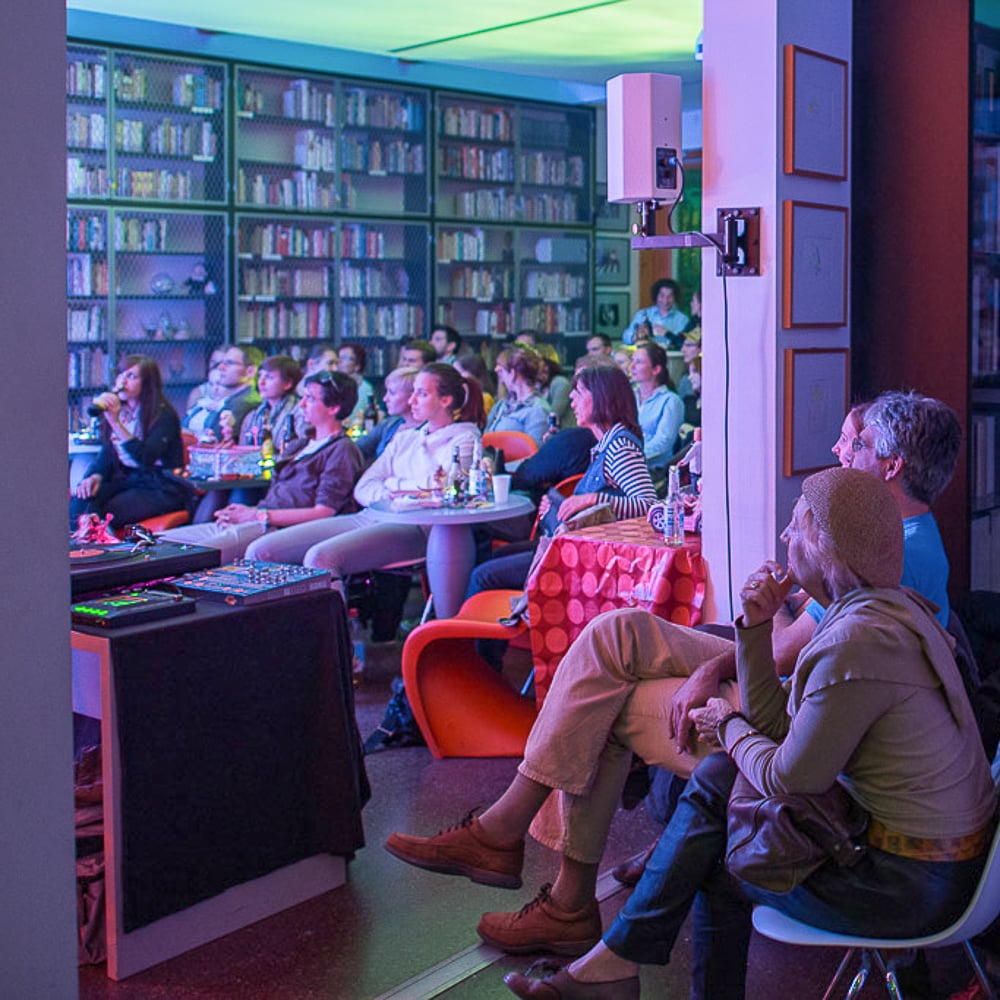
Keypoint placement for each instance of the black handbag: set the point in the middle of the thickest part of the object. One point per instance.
(777, 841)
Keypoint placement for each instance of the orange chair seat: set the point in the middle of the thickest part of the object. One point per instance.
(462, 706)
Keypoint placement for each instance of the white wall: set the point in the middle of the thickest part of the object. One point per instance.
(37, 907)
(742, 167)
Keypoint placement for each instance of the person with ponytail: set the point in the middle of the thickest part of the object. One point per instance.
(449, 413)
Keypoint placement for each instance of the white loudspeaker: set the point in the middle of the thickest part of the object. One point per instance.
(644, 137)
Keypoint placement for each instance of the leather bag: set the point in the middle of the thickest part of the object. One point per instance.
(776, 842)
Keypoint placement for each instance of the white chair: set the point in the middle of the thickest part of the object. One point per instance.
(982, 910)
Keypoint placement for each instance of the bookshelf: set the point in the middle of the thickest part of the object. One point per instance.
(337, 209)
(984, 232)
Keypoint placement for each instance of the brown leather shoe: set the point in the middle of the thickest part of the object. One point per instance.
(629, 872)
(462, 850)
(562, 986)
(542, 926)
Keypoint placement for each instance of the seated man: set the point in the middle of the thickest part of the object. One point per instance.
(237, 373)
(313, 479)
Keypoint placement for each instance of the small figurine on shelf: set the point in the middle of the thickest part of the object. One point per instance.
(93, 530)
(200, 282)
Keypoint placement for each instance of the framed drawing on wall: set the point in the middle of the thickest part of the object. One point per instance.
(814, 268)
(611, 312)
(815, 403)
(611, 260)
(815, 114)
(613, 217)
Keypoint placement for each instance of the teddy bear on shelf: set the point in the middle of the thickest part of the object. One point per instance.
(200, 282)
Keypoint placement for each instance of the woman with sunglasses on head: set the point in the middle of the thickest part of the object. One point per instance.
(449, 411)
(140, 446)
(313, 478)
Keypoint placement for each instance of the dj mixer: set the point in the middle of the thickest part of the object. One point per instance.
(247, 581)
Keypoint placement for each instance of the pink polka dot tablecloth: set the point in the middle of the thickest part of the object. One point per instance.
(609, 566)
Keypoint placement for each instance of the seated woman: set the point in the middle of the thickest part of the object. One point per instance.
(398, 390)
(554, 386)
(603, 402)
(314, 477)
(875, 701)
(352, 359)
(519, 369)
(277, 378)
(661, 411)
(131, 476)
(449, 413)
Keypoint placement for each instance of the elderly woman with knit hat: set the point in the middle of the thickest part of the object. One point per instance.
(875, 702)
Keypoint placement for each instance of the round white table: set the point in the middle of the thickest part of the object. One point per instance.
(451, 548)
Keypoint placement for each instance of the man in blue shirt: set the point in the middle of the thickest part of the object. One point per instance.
(667, 321)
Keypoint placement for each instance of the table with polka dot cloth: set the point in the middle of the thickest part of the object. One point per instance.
(621, 565)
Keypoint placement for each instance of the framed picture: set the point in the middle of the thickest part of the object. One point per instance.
(814, 265)
(614, 217)
(611, 313)
(611, 260)
(816, 396)
(815, 114)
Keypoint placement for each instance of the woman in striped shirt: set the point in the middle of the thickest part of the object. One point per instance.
(603, 401)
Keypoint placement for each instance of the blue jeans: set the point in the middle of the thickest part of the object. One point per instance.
(884, 895)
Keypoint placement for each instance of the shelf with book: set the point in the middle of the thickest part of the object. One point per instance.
(383, 150)
(169, 124)
(555, 287)
(513, 162)
(476, 279)
(286, 141)
(87, 171)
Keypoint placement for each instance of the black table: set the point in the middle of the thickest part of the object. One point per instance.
(233, 771)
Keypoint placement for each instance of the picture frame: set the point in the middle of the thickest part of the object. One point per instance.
(609, 216)
(611, 313)
(816, 399)
(814, 265)
(612, 257)
(815, 118)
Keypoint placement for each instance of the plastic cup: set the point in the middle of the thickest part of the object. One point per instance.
(501, 488)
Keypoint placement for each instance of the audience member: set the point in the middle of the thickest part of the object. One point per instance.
(210, 387)
(446, 342)
(522, 408)
(555, 386)
(925, 781)
(850, 429)
(694, 322)
(622, 355)
(398, 390)
(531, 338)
(447, 408)
(351, 360)
(131, 476)
(313, 479)
(416, 354)
(599, 345)
(661, 410)
(667, 321)
(277, 379)
(237, 395)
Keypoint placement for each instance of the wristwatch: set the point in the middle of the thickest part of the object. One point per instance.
(264, 516)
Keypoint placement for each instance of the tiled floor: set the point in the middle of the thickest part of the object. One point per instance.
(379, 934)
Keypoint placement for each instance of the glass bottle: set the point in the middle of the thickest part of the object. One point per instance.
(371, 415)
(455, 483)
(673, 510)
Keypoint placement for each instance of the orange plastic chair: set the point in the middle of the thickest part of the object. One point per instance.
(462, 706)
(515, 445)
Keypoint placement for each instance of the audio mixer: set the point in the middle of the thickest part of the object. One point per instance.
(248, 581)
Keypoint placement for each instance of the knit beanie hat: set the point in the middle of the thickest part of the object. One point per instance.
(694, 335)
(858, 512)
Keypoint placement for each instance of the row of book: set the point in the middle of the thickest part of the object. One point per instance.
(86, 180)
(86, 275)
(553, 169)
(486, 321)
(86, 131)
(985, 322)
(284, 240)
(552, 285)
(87, 78)
(363, 320)
(301, 190)
(284, 321)
(372, 156)
(387, 281)
(88, 366)
(983, 443)
(85, 232)
(167, 138)
(159, 185)
(85, 324)
(314, 150)
(985, 217)
(143, 234)
(470, 244)
(464, 122)
(986, 100)
(375, 109)
(477, 163)
(554, 318)
(482, 283)
(306, 100)
(273, 280)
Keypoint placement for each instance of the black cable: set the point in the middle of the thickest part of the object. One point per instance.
(679, 198)
(725, 443)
